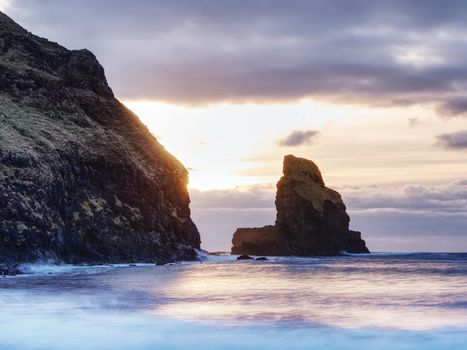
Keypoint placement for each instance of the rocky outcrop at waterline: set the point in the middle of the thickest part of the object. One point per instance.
(81, 178)
(9, 270)
(311, 218)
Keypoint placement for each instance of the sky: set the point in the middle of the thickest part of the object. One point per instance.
(374, 92)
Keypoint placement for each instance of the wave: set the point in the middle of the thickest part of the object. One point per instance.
(414, 255)
(43, 269)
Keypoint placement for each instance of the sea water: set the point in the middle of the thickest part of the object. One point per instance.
(376, 301)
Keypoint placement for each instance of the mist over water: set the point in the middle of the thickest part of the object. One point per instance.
(378, 301)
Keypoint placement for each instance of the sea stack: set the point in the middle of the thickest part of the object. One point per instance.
(82, 180)
(311, 218)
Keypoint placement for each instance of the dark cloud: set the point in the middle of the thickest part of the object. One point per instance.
(377, 52)
(454, 141)
(454, 107)
(443, 200)
(417, 217)
(299, 138)
(413, 218)
(410, 231)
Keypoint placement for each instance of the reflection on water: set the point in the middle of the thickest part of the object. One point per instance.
(343, 292)
(402, 301)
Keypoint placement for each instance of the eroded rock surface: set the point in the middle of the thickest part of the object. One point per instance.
(81, 178)
(9, 270)
(311, 218)
(258, 241)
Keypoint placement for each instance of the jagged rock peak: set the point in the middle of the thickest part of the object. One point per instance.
(26, 53)
(302, 177)
(6, 23)
(301, 169)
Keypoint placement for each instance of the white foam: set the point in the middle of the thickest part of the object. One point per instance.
(39, 269)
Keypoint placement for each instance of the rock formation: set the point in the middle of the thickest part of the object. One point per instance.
(81, 178)
(311, 218)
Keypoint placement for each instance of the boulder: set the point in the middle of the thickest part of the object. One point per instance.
(245, 257)
(258, 241)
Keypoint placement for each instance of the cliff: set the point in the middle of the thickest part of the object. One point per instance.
(311, 218)
(81, 178)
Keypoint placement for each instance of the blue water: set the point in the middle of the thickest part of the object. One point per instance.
(377, 301)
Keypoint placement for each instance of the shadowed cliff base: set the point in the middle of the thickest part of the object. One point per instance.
(82, 180)
(311, 218)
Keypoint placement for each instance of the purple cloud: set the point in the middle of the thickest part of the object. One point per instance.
(452, 107)
(214, 51)
(298, 138)
(453, 141)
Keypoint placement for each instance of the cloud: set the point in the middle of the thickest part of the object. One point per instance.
(374, 52)
(247, 198)
(298, 138)
(444, 200)
(414, 218)
(411, 232)
(454, 107)
(454, 141)
(218, 213)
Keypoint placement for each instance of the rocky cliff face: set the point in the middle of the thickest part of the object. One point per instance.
(81, 178)
(311, 218)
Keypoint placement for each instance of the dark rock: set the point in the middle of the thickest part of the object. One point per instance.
(164, 262)
(311, 218)
(263, 258)
(82, 180)
(245, 257)
(258, 241)
(217, 253)
(10, 270)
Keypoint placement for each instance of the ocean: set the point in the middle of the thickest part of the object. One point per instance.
(376, 301)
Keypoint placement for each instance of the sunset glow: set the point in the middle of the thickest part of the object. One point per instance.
(370, 154)
(375, 97)
(4, 5)
(232, 146)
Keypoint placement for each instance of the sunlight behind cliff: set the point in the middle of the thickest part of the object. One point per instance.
(4, 5)
(227, 146)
